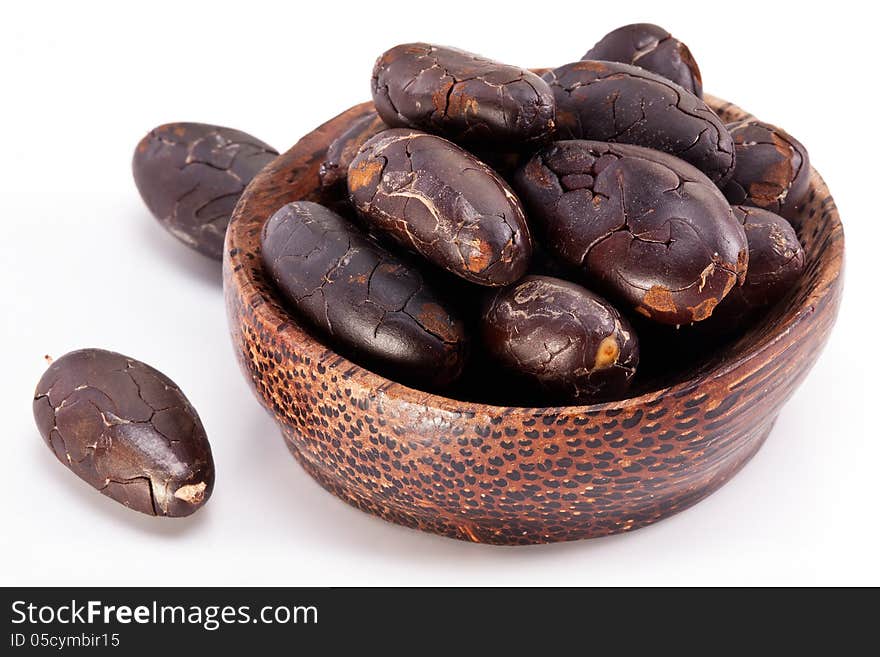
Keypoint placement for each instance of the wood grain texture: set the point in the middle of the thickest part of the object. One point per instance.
(512, 475)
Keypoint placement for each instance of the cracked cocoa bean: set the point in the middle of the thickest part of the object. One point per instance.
(772, 168)
(441, 202)
(191, 175)
(560, 336)
(127, 430)
(371, 304)
(342, 150)
(461, 96)
(652, 48)
(613, 102)
(776, 261)
(646, 228)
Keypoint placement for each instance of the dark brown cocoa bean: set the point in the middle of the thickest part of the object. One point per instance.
(776, 261)
(646, 228)
(772, 168)
(652, 48)
(190, 175)
(127, 430)
(608, 101)
(441, 202)
(343, 149)
(461, 96)
(562, 338)
(371, 304)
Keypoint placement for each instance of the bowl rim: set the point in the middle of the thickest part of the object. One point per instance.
(299, 339)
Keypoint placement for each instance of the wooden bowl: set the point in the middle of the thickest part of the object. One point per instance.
(513, 475)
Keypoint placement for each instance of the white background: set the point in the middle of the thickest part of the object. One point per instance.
(83, 264)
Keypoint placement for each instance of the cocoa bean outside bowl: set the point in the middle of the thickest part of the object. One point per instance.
(515, 475)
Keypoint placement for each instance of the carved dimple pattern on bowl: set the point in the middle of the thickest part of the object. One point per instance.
(517, 475)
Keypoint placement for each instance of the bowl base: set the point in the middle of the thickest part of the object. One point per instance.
(506, 532)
